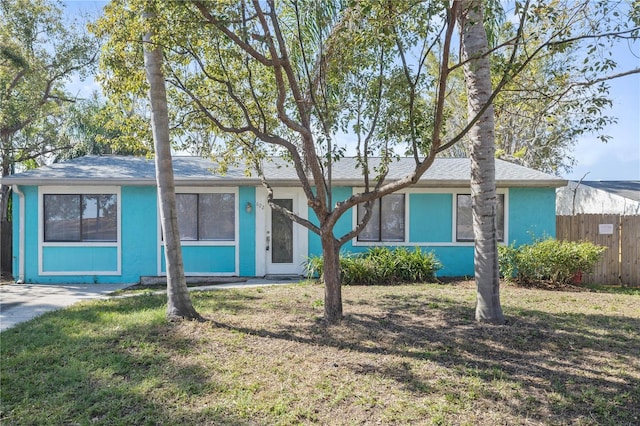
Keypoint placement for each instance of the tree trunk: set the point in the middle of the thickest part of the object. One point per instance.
(483, 184)
(178, 300)
(331, 276)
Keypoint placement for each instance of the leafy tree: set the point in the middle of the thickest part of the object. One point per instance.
(39, 53)
(545, 107)
(93, 127)
(178, 300)
(543, 111)
(284, 79)
(287, 77)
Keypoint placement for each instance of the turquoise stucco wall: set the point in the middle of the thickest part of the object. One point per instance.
(139, 232)
(431, 217)
(138, 243)
(80, 259)
(247, 232)
(342, 226)
(15, 242)
(206, 259)
(430, 221)
(531, 213)
(30, 233)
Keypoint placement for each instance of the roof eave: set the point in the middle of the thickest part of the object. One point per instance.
(430, 183)
(541, 183)
(77, 182)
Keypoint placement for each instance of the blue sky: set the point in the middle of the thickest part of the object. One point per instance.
(619, 159)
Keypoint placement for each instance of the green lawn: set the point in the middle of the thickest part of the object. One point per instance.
(403, 355)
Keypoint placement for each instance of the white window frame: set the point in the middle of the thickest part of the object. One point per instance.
(454, 219)
(379, 205)
(454, 192)
(205, 243)
(404, 242)
(81, 190)
(211, 241)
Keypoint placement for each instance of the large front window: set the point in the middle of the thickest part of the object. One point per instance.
(464, 220)
(387, 220)
(206, 217)
(80, 217)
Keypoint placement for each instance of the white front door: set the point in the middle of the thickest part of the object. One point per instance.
(285, 241)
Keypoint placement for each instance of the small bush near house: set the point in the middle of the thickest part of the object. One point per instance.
(548, 260)
(381, 265)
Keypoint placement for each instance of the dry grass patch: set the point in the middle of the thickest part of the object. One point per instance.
(403, 355)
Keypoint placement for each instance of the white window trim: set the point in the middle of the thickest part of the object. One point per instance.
(407, 228)
(454, 219)
(404, 242)
(83, 190)
(204, 243)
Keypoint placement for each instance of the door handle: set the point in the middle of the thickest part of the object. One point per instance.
(268, 241)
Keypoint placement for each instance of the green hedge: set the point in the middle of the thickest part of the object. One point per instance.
(381, 265)
(548, 260)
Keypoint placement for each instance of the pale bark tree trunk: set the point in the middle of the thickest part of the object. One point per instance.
(483, 184)
(178, 300)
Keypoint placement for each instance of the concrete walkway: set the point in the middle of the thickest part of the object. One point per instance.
(22, 302)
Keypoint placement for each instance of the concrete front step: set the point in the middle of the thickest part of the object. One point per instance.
(155, 280)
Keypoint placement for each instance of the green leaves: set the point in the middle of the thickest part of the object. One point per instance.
(381, 266)
(548, 260)
(39, 53)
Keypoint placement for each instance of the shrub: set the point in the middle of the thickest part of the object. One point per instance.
(548, 260)
(381, 265)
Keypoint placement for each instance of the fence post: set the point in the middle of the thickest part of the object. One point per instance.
(6, 249)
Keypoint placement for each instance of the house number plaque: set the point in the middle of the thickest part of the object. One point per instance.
(605, 229)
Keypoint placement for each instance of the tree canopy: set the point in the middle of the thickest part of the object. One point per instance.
(288, 78)
(39, 53)
(562, 92)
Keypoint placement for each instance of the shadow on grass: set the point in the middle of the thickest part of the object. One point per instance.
(119, 362)
(563, 368)
(109, 362)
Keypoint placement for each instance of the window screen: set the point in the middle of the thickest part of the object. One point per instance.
(387, 221)
(464, 219)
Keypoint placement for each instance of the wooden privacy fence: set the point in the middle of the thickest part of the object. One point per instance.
(6, 256)
(620, 263)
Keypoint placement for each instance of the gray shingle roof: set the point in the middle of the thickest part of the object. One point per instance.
(195, 171)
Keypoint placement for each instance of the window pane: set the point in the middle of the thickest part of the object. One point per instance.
(282, 233)
(61, 217)
(392, 222)
(217, 219)
(187, 211)
(464, 221)
(371, 232)
(99, 217)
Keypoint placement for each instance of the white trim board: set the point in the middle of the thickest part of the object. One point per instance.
(203, 243)
(406, 243)
(83, 190)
